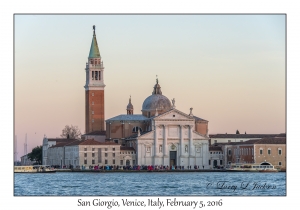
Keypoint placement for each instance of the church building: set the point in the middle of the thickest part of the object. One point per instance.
(161, 134)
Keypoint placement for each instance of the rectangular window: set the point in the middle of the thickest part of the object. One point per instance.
(92, 94)
(269, 152)
(208, 162)
(93, 75)
(121, 162)
(105, 149)
(114, 155)
(85, 154)
(93, 154)
(85, 161)
(279, 152)
(279, 163)
(92, 120)
(221, 162)
(85, 149)
(92, 112)
(114, 162)
(114, 149)
(229, 152)
(260, 151)
(105, 154)
(92, 102)
(93, 149)
(93, 161)
(96, 75)
(116, 141)
(105, 161)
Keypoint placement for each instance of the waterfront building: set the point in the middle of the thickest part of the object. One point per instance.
(216, 157)
(228, 138)
(270, 150)
(49, 142)
(25, 161)
(84, 153)
(161, 134)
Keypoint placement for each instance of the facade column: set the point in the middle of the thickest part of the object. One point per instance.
(166, 160)
(156, 149)
(165, 143)
(191, 152)
(156, 141)
(181, 159)
(191, 141)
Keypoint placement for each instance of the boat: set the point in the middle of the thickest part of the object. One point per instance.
(34, 169)
(251, 168)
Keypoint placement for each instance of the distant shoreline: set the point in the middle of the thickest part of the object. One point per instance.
(146, 171)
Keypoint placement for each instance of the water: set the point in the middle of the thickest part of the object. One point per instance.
(150, 184)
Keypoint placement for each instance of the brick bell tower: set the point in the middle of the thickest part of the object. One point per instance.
(94, 89)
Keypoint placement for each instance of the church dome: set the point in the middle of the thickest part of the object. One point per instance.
(156, 102)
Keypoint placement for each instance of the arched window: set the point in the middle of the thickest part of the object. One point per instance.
(135, 129)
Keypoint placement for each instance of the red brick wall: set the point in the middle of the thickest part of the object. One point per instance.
(98, 108)
(201, 127)
(117, 130)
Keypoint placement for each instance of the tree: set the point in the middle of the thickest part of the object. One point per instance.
(237, 132)
(71, 132)
(36, 154)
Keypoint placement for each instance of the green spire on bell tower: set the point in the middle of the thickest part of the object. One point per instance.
(94, 51)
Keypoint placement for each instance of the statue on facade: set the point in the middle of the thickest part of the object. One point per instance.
(191, 109)
(173, 102)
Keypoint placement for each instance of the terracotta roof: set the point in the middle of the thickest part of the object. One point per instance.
(74, 143)
(252, 141)
(101, 133)
(199, 119)
(61, 144)
(127, 148)
(60, 139)
(278, 140)
(93, 142)
(240, 136)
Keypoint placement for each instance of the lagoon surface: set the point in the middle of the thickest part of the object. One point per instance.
(150, 184)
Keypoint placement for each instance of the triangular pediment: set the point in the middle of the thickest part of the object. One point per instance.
(149, 135)
(174, 114)
(197, 135)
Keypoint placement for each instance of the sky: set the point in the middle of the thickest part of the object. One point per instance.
(230, 68)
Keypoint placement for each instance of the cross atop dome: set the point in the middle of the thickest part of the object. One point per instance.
(129, 107)
(157, 88)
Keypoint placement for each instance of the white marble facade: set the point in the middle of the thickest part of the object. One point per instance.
(173, 141)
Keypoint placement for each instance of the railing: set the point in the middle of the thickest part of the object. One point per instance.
(95, 65)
